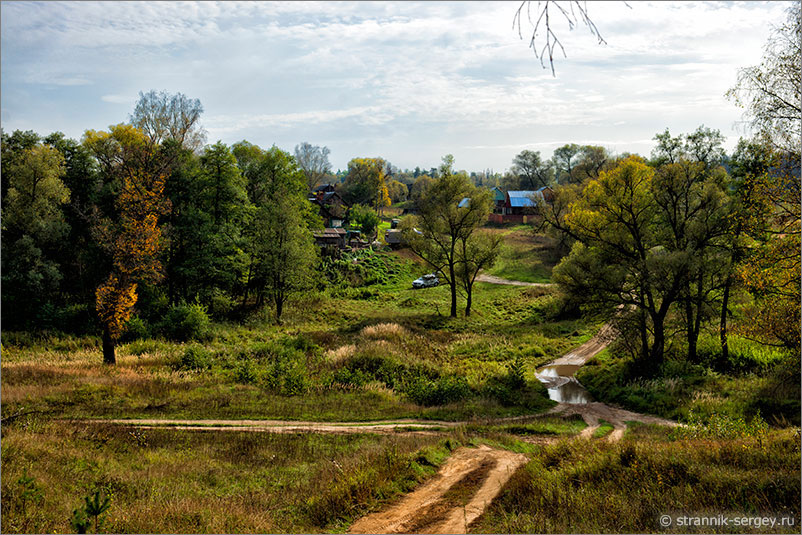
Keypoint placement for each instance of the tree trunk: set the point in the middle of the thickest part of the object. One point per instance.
(279, 309)
(658, 346)
(689, 323)
(725, 349)
(468, 303)
(108, 348)
(453, 291)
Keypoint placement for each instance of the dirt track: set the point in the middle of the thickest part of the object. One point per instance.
(403, 426)
(471, 478)
(482, 277)
(425, 510)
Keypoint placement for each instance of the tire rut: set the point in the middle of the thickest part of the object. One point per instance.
(468, 481)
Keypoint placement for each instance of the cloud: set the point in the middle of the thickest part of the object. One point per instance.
(383, 74)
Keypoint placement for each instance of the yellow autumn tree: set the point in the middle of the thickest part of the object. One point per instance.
(133, 238)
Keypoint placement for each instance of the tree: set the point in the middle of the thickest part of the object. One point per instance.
(420, 187)
(162, 116)
(617, 260)
(475, 252)
(693, 220)
(314, 162)
(564, 162)
(771, 91)
(533, 172)
(442, 226)
(648, 241)
(398, 191)
(365, 218)
(33, 227)
(366, 182)
(36, 193)
(133, 238)
(592, 161)
(279, 239)
(209, 209)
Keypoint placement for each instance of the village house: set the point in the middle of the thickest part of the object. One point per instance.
(331, 207)
(521, 205)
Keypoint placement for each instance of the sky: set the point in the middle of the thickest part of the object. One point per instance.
(405, 81)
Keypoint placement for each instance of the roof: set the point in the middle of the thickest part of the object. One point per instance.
(523, 199)
(498, 193)
(329, 232)
(464, 202)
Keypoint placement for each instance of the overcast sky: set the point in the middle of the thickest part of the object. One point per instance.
(409, 82)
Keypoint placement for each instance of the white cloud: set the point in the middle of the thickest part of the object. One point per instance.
(380, 75)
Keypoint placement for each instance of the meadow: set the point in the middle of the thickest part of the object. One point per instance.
(368, 348)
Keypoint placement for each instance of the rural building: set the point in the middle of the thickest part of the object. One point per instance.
(330, 237)
(331, 207)
(520, 205)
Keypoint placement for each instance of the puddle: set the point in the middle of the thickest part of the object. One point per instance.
(562, 385)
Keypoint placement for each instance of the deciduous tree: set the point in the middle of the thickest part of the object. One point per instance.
(442, 233)
(133, 239)
(314, 162)
(162, 116)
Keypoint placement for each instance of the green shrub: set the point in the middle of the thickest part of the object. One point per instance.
(195, 358)
(721, 426)
(221, 305)
(441, 391)
(186, 322)
(287, 377)
(364, 218)
(246, 373)
(135, 329)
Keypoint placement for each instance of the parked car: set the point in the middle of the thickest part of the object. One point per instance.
(427, 281)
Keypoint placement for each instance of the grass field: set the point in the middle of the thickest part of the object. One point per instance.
(370, 348)
(597, 487)
(524, 256)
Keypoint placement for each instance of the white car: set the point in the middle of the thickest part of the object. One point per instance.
(427, 281)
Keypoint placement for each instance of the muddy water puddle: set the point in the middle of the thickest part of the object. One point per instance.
(562, 385)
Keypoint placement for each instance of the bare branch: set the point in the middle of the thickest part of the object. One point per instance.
(577, 12)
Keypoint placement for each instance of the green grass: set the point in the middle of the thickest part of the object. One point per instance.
(596, 487)
(172, 481)
(756, 381)
(445, 368)
(524, 256)
(604, 429)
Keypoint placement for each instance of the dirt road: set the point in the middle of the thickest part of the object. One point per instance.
(471, 478)
(450, 501)
(482, 277)
(402, 426)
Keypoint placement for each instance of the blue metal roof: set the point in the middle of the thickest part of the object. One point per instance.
(522, 199)
(464, 202)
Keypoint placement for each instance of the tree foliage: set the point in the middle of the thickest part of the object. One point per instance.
(314, 162)
(532, 171)
(771, 92)
(162, 116)
(366, 182)
(133, 239)
(444, 234)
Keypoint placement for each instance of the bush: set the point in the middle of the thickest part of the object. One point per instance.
(441, 391)
(221, 305)
(195, 358)
(186, 322)
(364, 218)
(135, 329)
